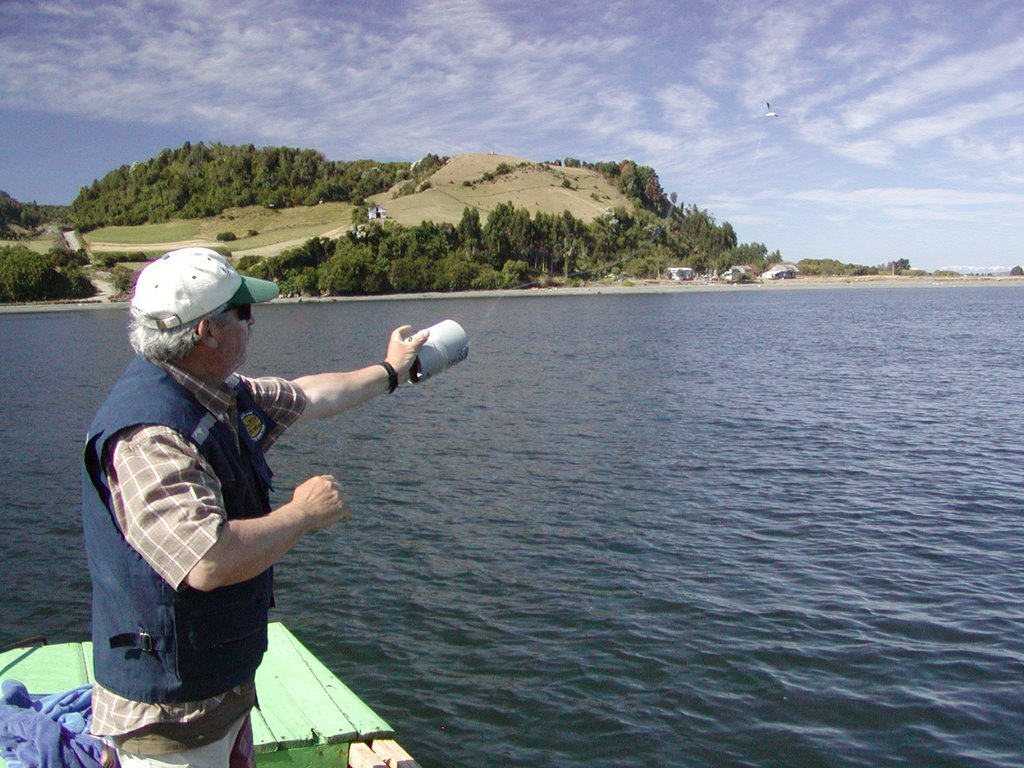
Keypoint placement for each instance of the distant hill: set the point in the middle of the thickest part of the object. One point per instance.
(200, 181)
(482, 181)
(471, 221)
(18, 219)
(436, 189)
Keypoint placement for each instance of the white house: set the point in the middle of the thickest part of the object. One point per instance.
(680, 273)
(376, 212)
(781, 272)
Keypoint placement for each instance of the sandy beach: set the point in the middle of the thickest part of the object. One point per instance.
(103, 301)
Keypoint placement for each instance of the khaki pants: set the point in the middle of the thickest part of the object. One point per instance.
(235, 750)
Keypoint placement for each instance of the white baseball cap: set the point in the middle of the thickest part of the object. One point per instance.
(186, 284)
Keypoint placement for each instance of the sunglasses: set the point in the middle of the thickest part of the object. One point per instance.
(244, 311)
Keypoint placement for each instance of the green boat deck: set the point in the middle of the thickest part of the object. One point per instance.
(307, 718)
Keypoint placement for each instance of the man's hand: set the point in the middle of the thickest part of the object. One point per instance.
(323, 501)
(402, 349)
(246, 547)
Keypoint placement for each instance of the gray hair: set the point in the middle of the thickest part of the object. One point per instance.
(165, 345)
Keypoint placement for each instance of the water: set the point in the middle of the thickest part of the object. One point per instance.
(749, 528)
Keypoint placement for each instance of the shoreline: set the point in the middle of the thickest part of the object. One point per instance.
(592, 289)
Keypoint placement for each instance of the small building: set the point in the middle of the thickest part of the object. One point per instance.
(781, 272)
(376, 212)
(738, 273)
(680, 273)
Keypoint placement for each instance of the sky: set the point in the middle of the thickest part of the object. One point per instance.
(899, 131)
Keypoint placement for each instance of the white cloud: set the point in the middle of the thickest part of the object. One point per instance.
(687, 108)
(953, 122)
(913, 108)
(920, 205)
(952, 75)
(902, 195)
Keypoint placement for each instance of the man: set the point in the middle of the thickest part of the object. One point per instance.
(180, 535)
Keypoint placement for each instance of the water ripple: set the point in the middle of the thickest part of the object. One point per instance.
(743, 529)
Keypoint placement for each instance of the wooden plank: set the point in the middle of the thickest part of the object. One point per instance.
(393, 754)
(263, 737)
(294, 705)
(48, 668)
(382, 753)
(361, 756)
(367, 723)
(316, 756)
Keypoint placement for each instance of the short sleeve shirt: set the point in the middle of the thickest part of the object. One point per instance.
(167, 501)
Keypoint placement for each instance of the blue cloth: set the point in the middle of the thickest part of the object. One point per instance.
(47, 731)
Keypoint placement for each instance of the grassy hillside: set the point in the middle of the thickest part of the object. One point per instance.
(472, 180)
(275, 230)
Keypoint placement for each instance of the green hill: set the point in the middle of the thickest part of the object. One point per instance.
(434, 189)
(199, 181)
(476, 181)
(472, 221)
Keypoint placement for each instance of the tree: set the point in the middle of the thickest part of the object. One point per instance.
(456, 272)
(122, 278)
(500, 235)
(754, 254)
(28, 276)
(471, 234)
(650, 262)
(515, 274)
(353, 269)
(615, 236)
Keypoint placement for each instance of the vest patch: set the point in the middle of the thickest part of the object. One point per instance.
(254, 425)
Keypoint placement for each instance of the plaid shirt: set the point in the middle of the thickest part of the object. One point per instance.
(167, 502)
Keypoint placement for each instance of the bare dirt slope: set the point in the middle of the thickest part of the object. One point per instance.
(461, 184)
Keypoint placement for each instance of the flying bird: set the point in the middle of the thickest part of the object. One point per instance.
(769, 113)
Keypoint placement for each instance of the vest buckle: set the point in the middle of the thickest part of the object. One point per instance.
(141, 640)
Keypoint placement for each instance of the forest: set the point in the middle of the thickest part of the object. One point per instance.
(197, 180)
(510, 248)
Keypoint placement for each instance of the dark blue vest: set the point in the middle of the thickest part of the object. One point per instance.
(150, 642)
